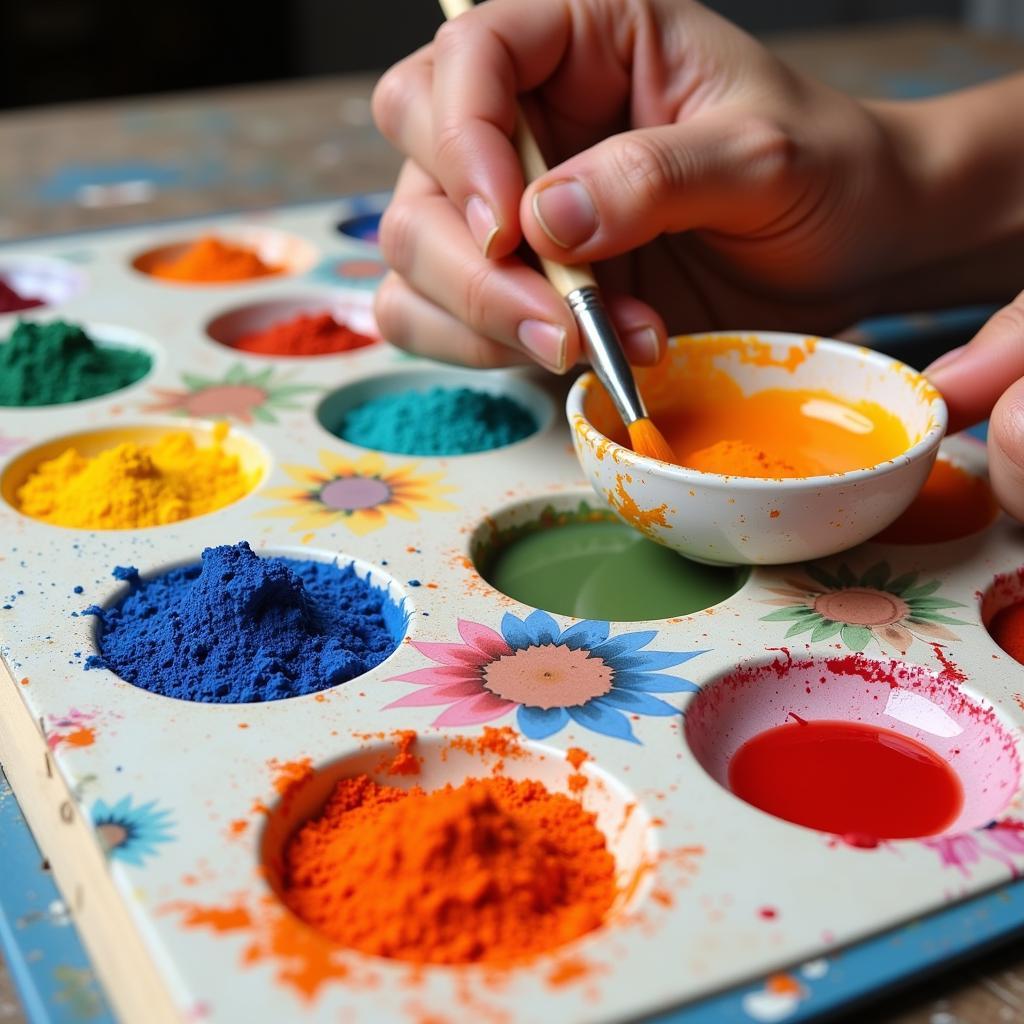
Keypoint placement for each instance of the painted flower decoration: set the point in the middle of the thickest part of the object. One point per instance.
(130, 833)
(246, 395)
(1001, 840)
(875, 606)
(360, 495)
(548, 676)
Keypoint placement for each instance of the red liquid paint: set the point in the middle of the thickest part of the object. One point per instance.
(847, 778)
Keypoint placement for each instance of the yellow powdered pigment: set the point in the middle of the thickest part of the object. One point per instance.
(134, 485)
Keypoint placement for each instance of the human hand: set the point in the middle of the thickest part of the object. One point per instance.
(986, 378)
(712, 186)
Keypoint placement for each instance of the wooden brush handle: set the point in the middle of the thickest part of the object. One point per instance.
(566, 279)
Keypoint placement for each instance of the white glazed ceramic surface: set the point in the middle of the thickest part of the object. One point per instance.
(714, 891)
(746, 520)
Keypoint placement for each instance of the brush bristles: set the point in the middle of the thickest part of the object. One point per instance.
(647, 440)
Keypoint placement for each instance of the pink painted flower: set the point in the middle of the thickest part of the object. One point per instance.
(547, 675)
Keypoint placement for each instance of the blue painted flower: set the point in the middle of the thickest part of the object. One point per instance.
(549, 676)
(131, 834)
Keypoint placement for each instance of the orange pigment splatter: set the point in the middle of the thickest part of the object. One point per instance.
(565, 972)
(83, 736)
(237, 827)
(306, 962)
(288, 774)
(502, 742)
(404, 761)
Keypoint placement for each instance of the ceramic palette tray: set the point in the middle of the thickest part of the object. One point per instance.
(164, 819)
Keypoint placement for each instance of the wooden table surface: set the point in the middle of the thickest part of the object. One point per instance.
(64, 169)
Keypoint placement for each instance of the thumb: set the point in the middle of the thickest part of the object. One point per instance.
(720, 170)
(1006, 450)
(972, 378)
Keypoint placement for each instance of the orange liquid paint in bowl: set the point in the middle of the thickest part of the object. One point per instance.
(780, 433)
(847, 778)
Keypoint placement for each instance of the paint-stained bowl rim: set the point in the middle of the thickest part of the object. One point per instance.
(926, 447)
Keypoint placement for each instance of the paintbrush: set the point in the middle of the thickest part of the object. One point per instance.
(577, 285)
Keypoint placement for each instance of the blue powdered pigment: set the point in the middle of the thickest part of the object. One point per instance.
(238, 628)
(440, 421)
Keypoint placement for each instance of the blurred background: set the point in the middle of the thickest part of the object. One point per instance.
(54, 51)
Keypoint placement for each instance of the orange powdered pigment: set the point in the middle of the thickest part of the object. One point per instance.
(494, 871)
(212, 259)
(780, 433)
(952, 504)
(304, 335)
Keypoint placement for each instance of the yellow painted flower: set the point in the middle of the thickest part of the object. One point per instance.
(360, 494)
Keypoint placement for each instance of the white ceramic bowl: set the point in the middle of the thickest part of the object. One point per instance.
(748, 520)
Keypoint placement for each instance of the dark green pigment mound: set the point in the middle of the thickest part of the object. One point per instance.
(441, 421)
(593, 567)
(56, 363)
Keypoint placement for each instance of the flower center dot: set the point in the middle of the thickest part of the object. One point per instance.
(349, 493)
(861, 606)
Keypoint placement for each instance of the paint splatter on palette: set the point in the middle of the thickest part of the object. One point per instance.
(525, 635)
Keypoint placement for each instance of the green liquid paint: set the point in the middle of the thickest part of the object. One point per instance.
(605, 570)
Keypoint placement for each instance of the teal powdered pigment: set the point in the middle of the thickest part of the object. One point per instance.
(441, 421)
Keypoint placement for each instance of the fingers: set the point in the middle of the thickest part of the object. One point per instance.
(1006, 450)
(416, 325)
(442, 279)
(724, 171)
(972, 378)
(426, 241)
(482, 62)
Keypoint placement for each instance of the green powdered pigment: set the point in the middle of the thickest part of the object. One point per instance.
(605, 570)
(55, 363)
(441, 421)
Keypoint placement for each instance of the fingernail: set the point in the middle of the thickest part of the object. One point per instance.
(545, 342)
(945, 360)
(483, 225)
(566, 213)
(643, 345)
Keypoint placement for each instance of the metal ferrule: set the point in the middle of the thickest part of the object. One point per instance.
(605, 353)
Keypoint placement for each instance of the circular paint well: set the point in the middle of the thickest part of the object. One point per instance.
(587, 564)
(300, 623)
(40, 281)
(876, 731)
(848, 778)
(109, 338)
(253, 458)
(364, 228)
(1002, 612)
(284, 252)
(231, 326)
(436, 413)
(432, 762)
(953, 503)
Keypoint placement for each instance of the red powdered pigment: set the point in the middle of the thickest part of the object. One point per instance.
(305, 335)
(12, 302)
(1007, 630)
(847, 778)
